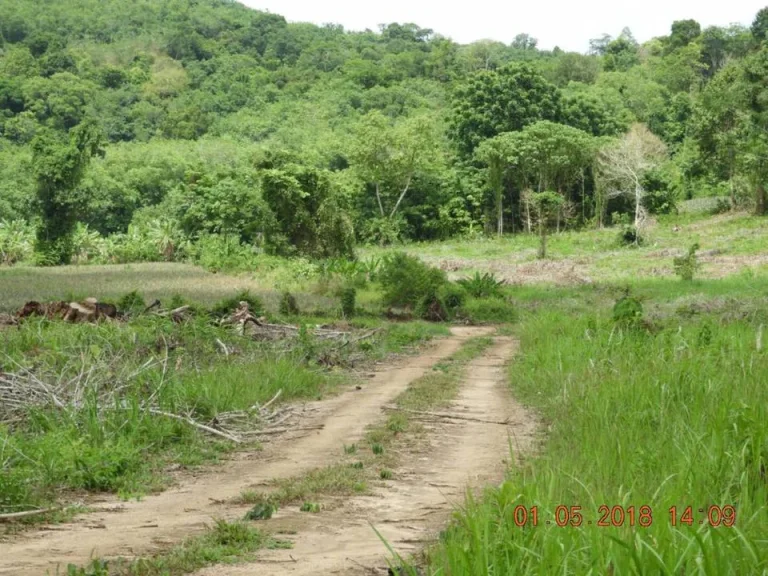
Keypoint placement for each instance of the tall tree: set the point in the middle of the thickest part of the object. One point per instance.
(623, 165)
(492, 102)
(59, 164)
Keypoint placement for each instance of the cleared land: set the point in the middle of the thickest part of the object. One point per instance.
(663, 406)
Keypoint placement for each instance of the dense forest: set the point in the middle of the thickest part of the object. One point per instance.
(156, 129)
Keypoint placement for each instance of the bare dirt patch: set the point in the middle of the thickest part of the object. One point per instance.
(129, 529)
(409, 510)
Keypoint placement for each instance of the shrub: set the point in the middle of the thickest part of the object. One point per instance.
(288, 305)
(627, 310)
(223, 252)
(482, 285)
(686, 266)
(348, 297)
(629, 235)
(721, 206)
(453, 296)
(229, 305)
(495, 310)
(131, 302)
(407, 281)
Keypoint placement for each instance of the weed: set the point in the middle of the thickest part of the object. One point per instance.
(627, 311)
(312, 507)
(348, 296)
(288, 305)
(377, 449)
(491, 310)
(262, 510)
(386, 474)
(131, 303)
(351, 449)
(228, 305)
(686, 266)
(357, 465)
(629, 235)
(482, 285)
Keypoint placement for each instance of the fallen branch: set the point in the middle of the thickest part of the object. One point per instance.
(26, 514)
(191, 422)
(448, 416)
(275, 397)
(223, 347)
(270, 431)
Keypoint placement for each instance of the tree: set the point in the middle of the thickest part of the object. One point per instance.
(623, 165)
(543, 156)
(546, 206)
(683, 33)
(389, 157)
(759, 27)
(492, 102)
(59, 164)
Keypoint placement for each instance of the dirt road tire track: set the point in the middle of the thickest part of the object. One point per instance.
(410, 510)
(131, 529)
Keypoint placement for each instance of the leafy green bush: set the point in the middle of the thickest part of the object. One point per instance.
(229, 305)
(288, 305)
(16, 241)
(131, 303)
(348, 297)
(627, 311)
(453, 296)
(492, 310)
(223, 252)
(686, 266)
(407, 281)
(482, 285)
(629, 235)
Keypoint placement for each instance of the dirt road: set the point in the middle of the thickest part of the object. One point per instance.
(409, 510)
(138, 528)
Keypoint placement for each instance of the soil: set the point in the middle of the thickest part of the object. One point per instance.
(409, 510)
(129, 529)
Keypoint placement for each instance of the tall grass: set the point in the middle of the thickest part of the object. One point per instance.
(672, 417)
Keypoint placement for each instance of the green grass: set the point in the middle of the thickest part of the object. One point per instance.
(736, 240)
(673, 415)
(98, 447)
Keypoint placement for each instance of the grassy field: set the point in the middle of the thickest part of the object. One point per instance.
(671, 412)
(729, 244)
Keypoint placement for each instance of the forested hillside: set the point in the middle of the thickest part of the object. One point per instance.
(170, 126)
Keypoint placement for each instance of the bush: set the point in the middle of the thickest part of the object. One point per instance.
(453, 296)
(686, 266)
(229, 305)
(409, 282)
(348, 297)
(223, 252)
(630, 236)
(627, 311)
(288, 305)
(131, 303)
(721, 206)
(492, 310)
(482, 285)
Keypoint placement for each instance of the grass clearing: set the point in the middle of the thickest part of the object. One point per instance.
(670, 415)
